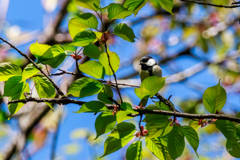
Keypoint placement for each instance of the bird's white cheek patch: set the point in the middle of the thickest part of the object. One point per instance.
(151, 62)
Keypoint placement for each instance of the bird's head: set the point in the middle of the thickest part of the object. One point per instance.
(147, 61)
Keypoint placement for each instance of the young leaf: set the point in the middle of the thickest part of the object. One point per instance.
(134, 151)
(228, 129)
(214, 98)
(134, 5)
(92, 106)
(85, 87)
(142, 92)
(126, 106)
(89, 4)
(92, 51)
(29, 71)
(13, 86)
(125, 32)
(54, 56)
(8, 70)
(15, 107)
(104, 123)
(176, 142)
(38, 49)
(105, 94)
(93, 68)
(167, 5)
(233, 148)
(153, 84)
(194, 124)
(192, 137)
(44, 87)
(114, 61)
(123, 115)
(121, 135)
(117, 11)
(84, 38)
(85, 20)
(157, 148)
(73, 28)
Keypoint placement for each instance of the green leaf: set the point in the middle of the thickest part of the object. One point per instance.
(194, 124)
(167, 5)
(29, 71)
(157, 125)
(152, 107)
(214, 98)
(142, 92)
(73, 28)
(8, 70)
(117, 11)
(114, 61)
(13, 86)
(15, 107)
(44, 87)
(126, 106)
(134, 5)
(176, 142)
(89, 4)
(105, 94)
(85, 20)
(122, 134)
(134, 151)
(93, 68)
(38, 49)
(192, 137)
(93, 106)
(54, 56)
(153, 84)
(228, 129)
(92, 51)
(84, 38)
(84, 87)
(104, 123)
(123, 115)
(157, 148)
(125, 32)
(233, 148)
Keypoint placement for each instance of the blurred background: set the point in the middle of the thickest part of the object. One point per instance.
(196, 47)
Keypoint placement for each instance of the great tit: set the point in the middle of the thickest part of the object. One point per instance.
(149, 67)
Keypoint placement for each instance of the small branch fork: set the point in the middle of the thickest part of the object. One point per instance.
(27, 57)
(140, 111)
(214, 5)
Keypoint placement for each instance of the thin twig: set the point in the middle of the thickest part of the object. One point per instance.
(139, 124)
(115, 77)
(210, 4)
(64, 72)
(27, 57)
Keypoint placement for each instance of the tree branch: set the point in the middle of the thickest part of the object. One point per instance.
(140, 111)
(27, 57)
(210, 4)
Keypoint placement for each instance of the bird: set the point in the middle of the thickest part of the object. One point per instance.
(149, 67)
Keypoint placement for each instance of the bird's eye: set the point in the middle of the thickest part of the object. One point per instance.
(144, 60)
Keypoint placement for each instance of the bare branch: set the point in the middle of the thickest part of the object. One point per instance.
(210, 4)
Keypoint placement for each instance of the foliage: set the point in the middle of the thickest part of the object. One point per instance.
(165, 137)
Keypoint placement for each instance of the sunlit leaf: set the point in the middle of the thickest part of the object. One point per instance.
(85, 87)
(134, 5)
(228, 129)
(84, 38)
(13, 86)
(92, 51)
(44, 87)
(8, 70)
(89, 4)
(125, 32)
(105, 94)
(167, 5)
(153, 84)
(114, 61)
(93, 68)
(117, 11)
(30, 70)
(192, 137)
(92, 106)
(214, 98)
